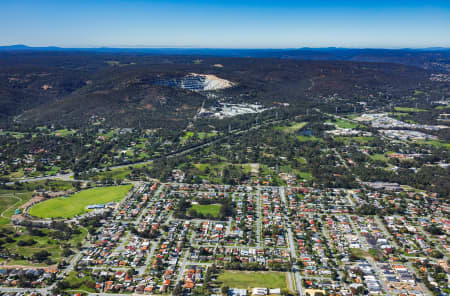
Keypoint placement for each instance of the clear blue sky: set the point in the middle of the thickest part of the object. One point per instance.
(225, 24)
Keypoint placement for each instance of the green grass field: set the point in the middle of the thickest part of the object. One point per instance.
(306, 175)
(45, 242)
(435, 143)
(64, 132)
(405, 117)
(120, 173)
(302, 174)
(352, 116)
(17, 174)
(79, 284)
(200, 135)
(14, 134)
(301, 160)
(212, 172)
(308, 138)
(52, 185)
(408, 109)
(442, 107)
(9, 201)
(253, 279)
(343, 123)
(379, 156)
(212, 209)
(291, 128)
(76, 204)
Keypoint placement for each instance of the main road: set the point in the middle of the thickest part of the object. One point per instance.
(295, 268)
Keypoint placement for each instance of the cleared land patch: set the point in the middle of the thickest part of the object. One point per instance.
(76, 204)
(252, 279)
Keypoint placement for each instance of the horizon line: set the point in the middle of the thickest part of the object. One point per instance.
(211, 48)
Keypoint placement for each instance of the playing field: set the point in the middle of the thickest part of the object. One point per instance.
(252, 279)
(212, 210)
(76, 204)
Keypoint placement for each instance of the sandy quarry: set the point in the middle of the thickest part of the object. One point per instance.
(212, 82)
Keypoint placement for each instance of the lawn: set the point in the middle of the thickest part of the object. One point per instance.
(408, 109)
(116, 174)
(306, 175)
(213, 209)
(379, 156)
(188, 135)
(14, 134)
(16, 174)
(52, 185)
(435, 143)
(291, 128)
(76, 204)
(301, 160)
(64, 132)
(308, 138)
(202, 166)
(302, 174)
(200, 135)
(120, 173)
(253, 279)
(442, 107)
(212, 172)
(78, 283)
(405, 117)
(342, 123)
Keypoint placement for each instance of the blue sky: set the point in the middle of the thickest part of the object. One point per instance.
(225, 24)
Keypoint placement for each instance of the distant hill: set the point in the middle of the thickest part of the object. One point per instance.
(435, 58)
(68, 88)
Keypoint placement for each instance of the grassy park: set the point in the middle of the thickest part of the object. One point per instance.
(76, 204)
(205, 210)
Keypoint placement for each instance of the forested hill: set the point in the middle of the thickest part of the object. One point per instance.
(437, 59)
(69, 88)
